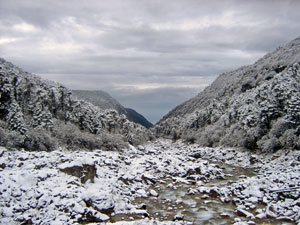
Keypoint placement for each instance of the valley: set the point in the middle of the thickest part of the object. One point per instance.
(230, 155)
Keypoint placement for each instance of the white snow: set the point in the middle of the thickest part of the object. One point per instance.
(33, 186)
(153, 193)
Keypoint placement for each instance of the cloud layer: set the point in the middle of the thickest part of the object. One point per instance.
(151, 55)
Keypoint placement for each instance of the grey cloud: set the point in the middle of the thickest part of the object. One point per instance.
(155, 103)
(122, 45)
(146, 38)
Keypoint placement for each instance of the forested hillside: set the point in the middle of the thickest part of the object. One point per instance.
(256, 106)
(36, 114)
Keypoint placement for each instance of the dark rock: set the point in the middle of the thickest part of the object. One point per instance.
(94, 217)
(37, 167)
(192, 172)
(225, 215)
(270, 213)
(124, 180)
(147, 178)
(242, 212)
(178, 217)
(22, 158)
(226, 200)
(102, 204)
(236, 201)
(85, 172)
(142, 206)
(26, 222)
(74, 183)
(268, 77)
(253, 159)
(213, 193)
(197, 155)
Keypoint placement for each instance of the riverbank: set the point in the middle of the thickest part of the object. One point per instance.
(159, 183)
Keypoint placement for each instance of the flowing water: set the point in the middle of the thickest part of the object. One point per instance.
(177, 200)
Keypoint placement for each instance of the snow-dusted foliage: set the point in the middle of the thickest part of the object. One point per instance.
(34, 111)
(257, 106)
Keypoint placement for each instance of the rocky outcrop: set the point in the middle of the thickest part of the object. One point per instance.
(255, 106)
(85, 172)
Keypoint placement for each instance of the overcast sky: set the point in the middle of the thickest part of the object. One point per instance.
(151, 55)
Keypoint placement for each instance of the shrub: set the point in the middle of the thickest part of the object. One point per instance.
(39, 139)
(269, 145)
(249, 142)
(112, 142)
(279, 127)
(3, 137)
(234, 137)
(71, 137)
(15, 140)
(290, 139)
(211, 136)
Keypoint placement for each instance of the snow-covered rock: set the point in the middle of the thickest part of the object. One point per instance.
(153, 193)
(36, 189)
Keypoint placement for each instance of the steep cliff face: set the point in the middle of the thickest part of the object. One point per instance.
(38, 114)
(256, 106)
(105, 101)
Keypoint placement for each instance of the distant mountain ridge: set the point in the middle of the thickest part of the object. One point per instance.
(105, 101)
(255, 106)
(37, 114)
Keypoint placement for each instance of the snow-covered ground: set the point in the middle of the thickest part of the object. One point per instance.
(159, 183)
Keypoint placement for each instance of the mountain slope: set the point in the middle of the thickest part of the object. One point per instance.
(105, 101)
(255, 106)
(135, 117)
(36, 114)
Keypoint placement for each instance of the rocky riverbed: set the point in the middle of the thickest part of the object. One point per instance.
(158, 183)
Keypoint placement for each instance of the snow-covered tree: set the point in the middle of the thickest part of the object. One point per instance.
(30, 104)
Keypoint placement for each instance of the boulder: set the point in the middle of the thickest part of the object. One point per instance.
(85, 172)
